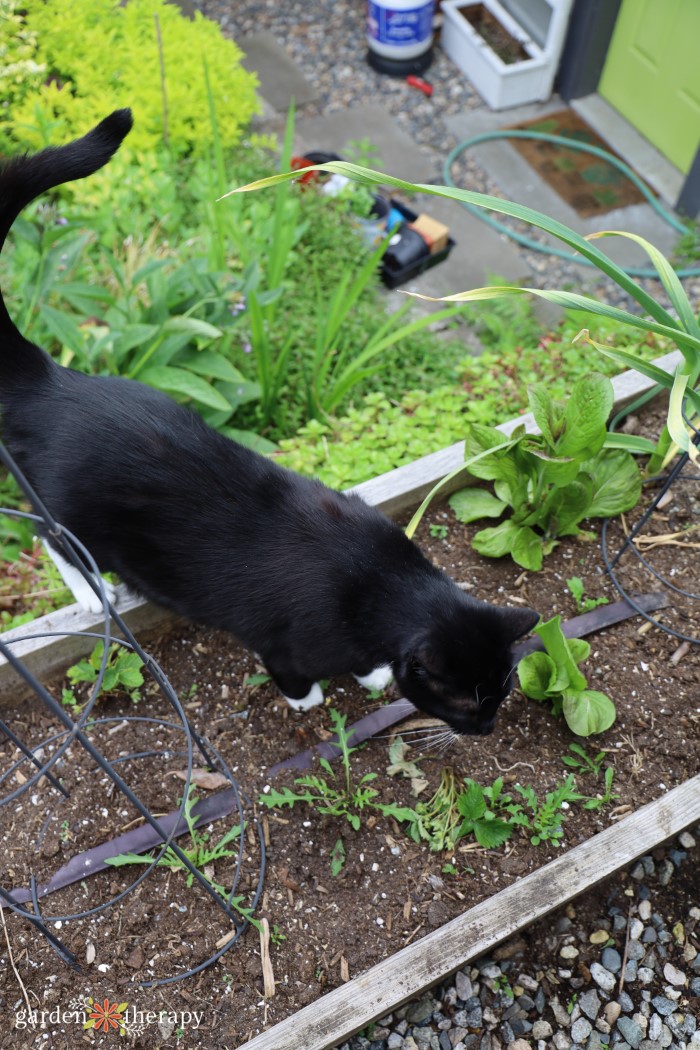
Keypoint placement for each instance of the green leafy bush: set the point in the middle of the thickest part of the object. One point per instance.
(553, 480)
(114, 58)
(21, 71)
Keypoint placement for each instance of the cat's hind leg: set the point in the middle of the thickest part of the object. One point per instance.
(377, 679)
(77, 584)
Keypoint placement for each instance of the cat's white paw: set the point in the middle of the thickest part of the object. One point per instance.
(379, 678)
(313, 698)
(76, 583)
(88, 600)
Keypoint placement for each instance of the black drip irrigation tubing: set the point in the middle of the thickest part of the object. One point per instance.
(582, 147)
(75, 731)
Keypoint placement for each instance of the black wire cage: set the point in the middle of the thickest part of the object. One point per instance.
(41, 778)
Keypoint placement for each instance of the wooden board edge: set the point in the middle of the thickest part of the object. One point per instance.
(342, 1012)
(393, 493)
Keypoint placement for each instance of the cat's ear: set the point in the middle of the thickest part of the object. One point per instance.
(422, 659)
(517, 622)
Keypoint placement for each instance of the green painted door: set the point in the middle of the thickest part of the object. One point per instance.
(652, 74)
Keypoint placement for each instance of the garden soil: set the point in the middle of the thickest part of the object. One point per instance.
(391, 891)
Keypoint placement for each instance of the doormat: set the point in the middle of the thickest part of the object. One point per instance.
(587, 183)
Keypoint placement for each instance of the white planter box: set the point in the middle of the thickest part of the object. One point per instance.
(499, 83)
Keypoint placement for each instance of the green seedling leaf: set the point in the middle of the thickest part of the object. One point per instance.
(337, 858)
(557, 647)
(474, 503)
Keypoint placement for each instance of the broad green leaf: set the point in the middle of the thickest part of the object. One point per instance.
(569, 505)
(586, 415)
(497, 541)
(536, 674)
(579, 648)
(527, 549)
(588, 711)
(211, 365)
(492, 833)
(63, 328)
(470, 803)
(193, 326)
(479, 439)
(616, 484)
(557, 647)
(550, 467)
(541, 406)
(474, 503)
(179, 381)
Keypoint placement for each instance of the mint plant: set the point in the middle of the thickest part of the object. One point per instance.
(551, 481)
(554, 676)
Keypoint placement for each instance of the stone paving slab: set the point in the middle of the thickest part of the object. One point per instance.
(281, 80)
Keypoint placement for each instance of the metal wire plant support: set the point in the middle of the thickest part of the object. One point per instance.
(46, 760)
(613, 563)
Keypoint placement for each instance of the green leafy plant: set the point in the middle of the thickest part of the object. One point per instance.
(202, 855)
(545, 822)
(337, 796)
(583, 605)
(553, 480)
(438, 532)
(554, 676)
(122, 673)
(582, 762)
(607, 796)
(478, 806)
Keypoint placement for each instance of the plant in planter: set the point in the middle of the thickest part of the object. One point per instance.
(552, 481)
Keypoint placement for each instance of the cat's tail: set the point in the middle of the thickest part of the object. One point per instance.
(24, 178)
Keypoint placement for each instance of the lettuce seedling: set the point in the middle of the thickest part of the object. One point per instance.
(554, 675)
(552, 480)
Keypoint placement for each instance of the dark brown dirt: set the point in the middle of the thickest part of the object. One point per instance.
(391, 890)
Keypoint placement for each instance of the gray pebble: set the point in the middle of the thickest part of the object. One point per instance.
(626, 1004)
(561, 1040)
(581, 1029)
(635, 950)
(631, 971)
(650, 935)
(636, 928)
(645, 975)
(540, 999)
(665, 872)
(445, 1041)
(463, 985)
(662, 1005)
(590, 1003)
(395, 1041)
(602, 977)
(611, 960)
(541, 1030)
(419, 1011)
(695, 985)
(631, 1031)
(654, 1029)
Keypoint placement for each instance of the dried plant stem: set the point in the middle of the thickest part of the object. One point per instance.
(11, 957)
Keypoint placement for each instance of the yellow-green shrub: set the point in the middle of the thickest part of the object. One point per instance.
(101, 56)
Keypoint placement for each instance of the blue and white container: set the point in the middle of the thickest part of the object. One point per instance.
(400, 35)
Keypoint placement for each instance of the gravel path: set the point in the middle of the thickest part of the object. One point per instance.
(621, 966)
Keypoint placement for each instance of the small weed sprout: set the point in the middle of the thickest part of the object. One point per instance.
(583, 605)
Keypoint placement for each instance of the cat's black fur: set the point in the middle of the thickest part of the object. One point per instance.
(315, 581)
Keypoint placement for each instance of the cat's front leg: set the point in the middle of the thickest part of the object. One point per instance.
(378, 679)
(76, 583)
(300, 693)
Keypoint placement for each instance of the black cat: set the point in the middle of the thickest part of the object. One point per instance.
(315, 581)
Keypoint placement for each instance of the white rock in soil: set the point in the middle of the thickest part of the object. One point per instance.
(675, 976)
(645, 910)
(612, 1011)
(686, 840)
(541, 1030)
(637, 927)
(602, 977)
(569, 952)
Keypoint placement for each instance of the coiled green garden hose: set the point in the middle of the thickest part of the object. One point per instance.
(561, 140)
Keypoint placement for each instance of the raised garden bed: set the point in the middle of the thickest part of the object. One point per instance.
(392, 907)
